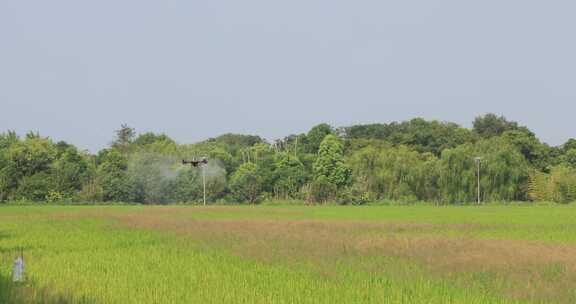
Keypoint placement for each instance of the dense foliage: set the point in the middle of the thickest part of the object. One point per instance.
(410, 161)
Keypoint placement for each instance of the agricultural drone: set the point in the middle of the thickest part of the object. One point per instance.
(195, 163)
(202, 164)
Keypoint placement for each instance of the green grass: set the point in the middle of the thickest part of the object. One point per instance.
(136, 254)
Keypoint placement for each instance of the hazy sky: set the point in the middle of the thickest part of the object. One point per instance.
(75, 70)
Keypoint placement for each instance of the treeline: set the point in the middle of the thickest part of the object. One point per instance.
(410, 161)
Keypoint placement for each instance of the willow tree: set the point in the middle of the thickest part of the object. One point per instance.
(457, 179)
(366, 164)
(504, 172)
(397, 173)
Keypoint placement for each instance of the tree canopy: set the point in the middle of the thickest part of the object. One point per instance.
(414, 160)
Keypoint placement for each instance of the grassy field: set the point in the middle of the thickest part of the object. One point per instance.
(290, 254)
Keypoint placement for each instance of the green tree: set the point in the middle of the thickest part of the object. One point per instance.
(504, 172)
(396, 173)
(237, 140)
(70, 170)
(330, 162)
(91, 192)
(112, 177)
(246, 184)
(148, 175)
(418, 134)
(491, 125)
(28, 164)
(316, 135)
(296, 144)
(368, 131)
(187, 187)
(32, 155)
(290, 176)
(529, 146)
(569, 145)
(5, 177)
(262, 155)
(569, 158)
(8, 178)
(124, 138)
(429, 136)
(366, 165)
(8, 139)
(321, 190)
(155, 143)
(35, 187)
(150, 138)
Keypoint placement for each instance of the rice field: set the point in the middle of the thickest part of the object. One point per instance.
(289, 254)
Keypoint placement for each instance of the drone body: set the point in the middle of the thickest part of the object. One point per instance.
(199, 163)
(194, 162)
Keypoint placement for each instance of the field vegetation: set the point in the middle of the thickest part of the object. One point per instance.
(290, 254)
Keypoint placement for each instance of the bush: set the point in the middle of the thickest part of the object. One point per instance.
(559, 186)
(353, 196)
(54, 196)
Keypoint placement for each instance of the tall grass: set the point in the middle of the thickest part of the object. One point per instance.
(140, 255)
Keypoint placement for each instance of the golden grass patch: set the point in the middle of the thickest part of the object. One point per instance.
(525, 270)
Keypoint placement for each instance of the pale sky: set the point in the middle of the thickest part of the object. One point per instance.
(75, 70)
